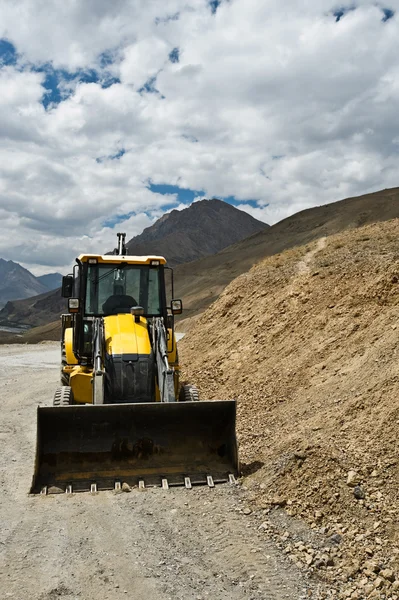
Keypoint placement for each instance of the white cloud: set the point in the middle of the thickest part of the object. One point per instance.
(281, 104)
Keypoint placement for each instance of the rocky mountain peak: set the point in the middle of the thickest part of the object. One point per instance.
(203, 228)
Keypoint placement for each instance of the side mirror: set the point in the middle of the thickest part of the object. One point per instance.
(67, 286)
(176, 307)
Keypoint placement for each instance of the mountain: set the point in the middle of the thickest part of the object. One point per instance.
(34, 311)
(51, 281)
(17, 282)
(205, 227)
(200, 283)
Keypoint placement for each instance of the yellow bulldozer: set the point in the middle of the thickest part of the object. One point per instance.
(121, 416)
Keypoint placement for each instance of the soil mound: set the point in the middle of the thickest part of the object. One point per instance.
(307, 342)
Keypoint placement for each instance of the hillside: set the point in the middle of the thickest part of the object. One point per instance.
(17, 282)
(201, 282)
(306, 341)
(204, 228)
(34, 311)
(51, 281)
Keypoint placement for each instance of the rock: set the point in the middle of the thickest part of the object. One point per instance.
(278, 501)
(126, 487)
(378, 583)
(388, 574)
(320, 563)
(371, 566)
(55, 490)
(358, 492)
(247, 511)
(335, 538)
(353, 479)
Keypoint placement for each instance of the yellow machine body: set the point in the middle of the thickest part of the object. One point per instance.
(122, 336)
(131, 435)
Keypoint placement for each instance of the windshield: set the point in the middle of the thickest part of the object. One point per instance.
(114, 289)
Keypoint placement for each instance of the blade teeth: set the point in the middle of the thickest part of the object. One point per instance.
(210, 481)
(44, 490)
(68, 489)
(165, 484)
(118, 486)
(93, 488)
(232, 479)
(141, 484)
(187, 483)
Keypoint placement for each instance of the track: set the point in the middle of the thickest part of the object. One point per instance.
(176, 544)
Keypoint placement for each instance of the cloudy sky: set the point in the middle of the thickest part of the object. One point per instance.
(112, 113)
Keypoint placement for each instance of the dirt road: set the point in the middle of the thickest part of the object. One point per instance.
(180, 544)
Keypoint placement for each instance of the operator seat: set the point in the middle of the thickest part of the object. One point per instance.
(118, 303)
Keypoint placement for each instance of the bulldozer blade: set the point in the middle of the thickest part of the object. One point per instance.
(96, 447)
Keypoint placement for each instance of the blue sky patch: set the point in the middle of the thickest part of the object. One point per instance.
(149, 87)
(55, 80)
(174, 55)
(388, 14)
(342, 11)
(8, 53)
(116, 156)
(214, 5)
(186, 196)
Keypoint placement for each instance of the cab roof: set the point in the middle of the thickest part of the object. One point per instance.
(116, 258)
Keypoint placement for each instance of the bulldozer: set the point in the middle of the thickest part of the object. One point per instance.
(121, 416)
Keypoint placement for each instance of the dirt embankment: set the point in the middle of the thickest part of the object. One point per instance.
(307, 341)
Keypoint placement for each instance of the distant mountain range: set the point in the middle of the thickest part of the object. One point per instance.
(202, 229)
(51, 281)
(199, 283)
(181, 236)
(16, 282)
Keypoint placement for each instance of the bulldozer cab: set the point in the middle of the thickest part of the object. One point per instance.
(109, 285)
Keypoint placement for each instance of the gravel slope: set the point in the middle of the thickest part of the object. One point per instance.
(307, 342)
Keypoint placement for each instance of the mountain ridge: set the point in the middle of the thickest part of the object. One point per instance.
(200, 282)
(202, 229)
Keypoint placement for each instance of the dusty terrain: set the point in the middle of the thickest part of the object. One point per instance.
(181, 544)
(307, 341)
